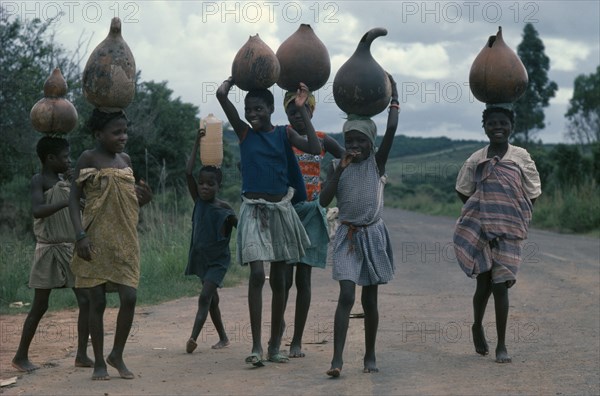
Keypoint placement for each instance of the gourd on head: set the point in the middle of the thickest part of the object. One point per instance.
(303, 58)
(54, 114)
(497, 74)
(255, 65)
(109, 74)
(361, 86)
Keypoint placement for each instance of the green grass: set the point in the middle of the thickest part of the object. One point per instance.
(164, 243)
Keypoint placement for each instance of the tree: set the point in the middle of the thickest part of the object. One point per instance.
(529, 108)
(584, 109)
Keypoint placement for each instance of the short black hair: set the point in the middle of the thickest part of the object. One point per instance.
(490, 110)
(50, 145)
(264, 94)
(99, 119)
(213, 169)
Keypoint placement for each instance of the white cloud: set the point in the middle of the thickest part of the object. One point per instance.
(565, 54)
(424, 61)
(562, 97)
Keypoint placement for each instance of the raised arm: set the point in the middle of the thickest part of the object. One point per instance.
(392, 124)
(312, 145)
(189, 169)
(239, 126)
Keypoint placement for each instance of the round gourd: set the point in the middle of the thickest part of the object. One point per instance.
(109, 74)
(497, 74)
(255, 66)
(303, 58)
(54, 114)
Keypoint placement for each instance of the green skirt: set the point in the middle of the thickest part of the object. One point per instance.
(270, 231)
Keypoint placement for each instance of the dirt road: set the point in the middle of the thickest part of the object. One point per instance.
(424, 344)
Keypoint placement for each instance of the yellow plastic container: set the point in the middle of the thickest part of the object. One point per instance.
(211, 145)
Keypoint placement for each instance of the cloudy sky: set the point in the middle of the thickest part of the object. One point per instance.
(429, 48)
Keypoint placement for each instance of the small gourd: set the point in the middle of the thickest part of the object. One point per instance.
(303, 58)
(109, 74)
(53, 114)
(255, 65)
(361, 86)
(497, 74)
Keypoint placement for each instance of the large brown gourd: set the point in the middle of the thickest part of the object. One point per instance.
(53, 114)
(361, 86)
(497, 74)
(303, 58)
(255, 66)
(109, 75)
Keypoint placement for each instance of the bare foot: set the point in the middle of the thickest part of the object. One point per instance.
(334, 372)
(502, 355)
(24, 365)
(221, 344)
(100, 374)
(481, 346)
(83, 361)
(370, 364)
(296, 351)
(119, 364)
(190, 345)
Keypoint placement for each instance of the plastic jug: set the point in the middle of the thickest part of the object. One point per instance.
(211, 145)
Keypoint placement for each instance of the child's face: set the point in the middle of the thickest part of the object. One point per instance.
(113, 137)
(498, 128)
(258, 114)
(60, 163)
(358, 144)
(295, 118)
(208, 185)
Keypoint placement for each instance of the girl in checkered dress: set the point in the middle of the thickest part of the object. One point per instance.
(362, 254)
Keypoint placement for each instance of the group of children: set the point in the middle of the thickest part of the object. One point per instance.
(281, 221)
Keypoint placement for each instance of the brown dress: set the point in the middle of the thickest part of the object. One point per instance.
(54, 244)
(110, 219)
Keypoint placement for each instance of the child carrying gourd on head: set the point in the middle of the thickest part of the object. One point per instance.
(55, 238)
(108, 252)
(362, 253)
(269, 228)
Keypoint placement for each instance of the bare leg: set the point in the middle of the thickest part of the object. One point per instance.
(127, 298)
(83, 328)
(501, 306)
(215, 316)
(38, 309)
(340, 325)
(303, 286)
(277, 278)
(480, 300)
(255, 287)
(369, 303)
(97, 296)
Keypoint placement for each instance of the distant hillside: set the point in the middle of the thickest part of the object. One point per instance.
(407, 145)
(403, 145)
